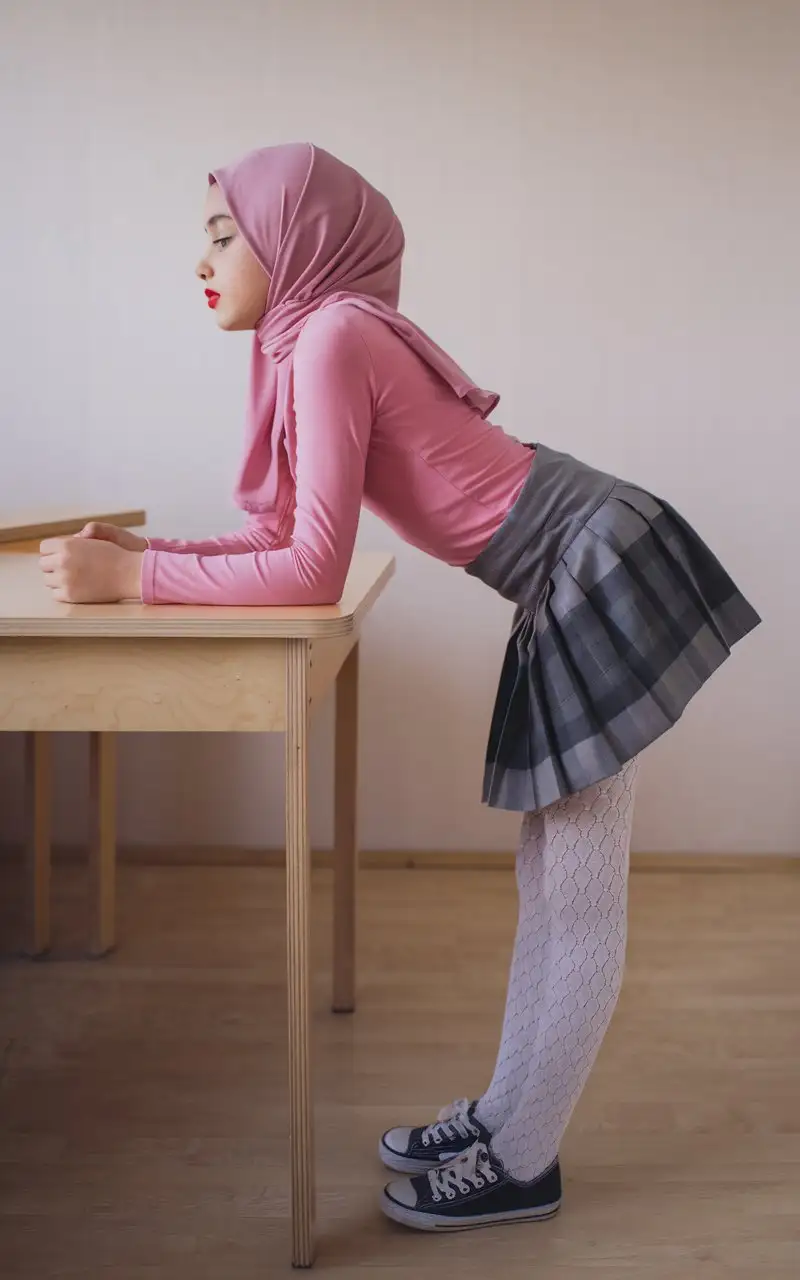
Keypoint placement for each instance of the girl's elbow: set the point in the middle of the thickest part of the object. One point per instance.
(312, 589)
(310, 581)
(326, 590)
(323, 581)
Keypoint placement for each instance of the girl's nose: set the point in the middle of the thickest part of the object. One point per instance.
(203, 270)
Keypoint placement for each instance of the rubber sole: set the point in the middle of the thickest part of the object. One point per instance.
(431, 1222)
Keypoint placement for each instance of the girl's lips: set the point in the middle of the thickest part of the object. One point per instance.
(213, 298)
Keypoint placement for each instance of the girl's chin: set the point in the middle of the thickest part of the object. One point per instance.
(230, 322)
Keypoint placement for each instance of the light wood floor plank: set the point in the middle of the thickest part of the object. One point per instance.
(143, 1100)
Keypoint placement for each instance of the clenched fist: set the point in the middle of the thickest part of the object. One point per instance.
(85, 570)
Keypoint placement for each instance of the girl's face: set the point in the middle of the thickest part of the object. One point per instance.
(237, 286)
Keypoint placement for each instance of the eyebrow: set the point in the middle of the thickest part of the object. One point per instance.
(217, 217)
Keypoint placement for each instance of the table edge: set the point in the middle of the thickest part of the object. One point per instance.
(150, 628)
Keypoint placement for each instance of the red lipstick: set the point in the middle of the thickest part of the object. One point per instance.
(213, 298)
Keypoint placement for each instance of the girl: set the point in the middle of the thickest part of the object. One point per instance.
(622, 614)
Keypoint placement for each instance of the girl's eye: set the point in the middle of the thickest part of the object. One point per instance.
(223, 241)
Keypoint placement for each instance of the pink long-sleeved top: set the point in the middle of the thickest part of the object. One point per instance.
(374, 425)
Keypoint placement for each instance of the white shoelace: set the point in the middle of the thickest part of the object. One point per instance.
(467, 1172)
(450, 1121)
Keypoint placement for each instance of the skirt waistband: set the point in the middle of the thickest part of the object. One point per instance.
(558, 497)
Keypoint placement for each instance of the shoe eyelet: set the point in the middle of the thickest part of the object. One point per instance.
(451, 1195)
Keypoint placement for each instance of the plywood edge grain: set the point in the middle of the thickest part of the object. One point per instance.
(160, 622)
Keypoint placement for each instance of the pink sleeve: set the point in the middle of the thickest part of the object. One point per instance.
(334, 403)
(260, 533)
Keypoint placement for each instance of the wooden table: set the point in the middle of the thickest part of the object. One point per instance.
(106, 669)
(23, 531)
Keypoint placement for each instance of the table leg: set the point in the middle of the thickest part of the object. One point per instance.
(346, 837)
(103, 849)
(38, 793)
(298, 887)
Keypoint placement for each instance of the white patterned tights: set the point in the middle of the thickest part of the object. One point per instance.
(566, 971)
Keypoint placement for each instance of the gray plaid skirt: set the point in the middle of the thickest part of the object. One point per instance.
(622, 615)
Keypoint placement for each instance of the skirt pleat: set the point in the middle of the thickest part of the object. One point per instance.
(637, 614)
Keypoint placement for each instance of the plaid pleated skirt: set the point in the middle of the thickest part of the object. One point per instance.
(622, 615)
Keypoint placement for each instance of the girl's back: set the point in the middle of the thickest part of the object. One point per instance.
(434, 469)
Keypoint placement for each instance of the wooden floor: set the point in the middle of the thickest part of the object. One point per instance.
(143, 1098)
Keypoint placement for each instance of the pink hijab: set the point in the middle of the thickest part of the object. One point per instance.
(323, 235)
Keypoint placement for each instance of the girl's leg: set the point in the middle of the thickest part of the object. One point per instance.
(527, 980)
(566, 979)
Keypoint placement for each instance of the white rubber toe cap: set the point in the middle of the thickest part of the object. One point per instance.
(403, 1192)
(397, 1140)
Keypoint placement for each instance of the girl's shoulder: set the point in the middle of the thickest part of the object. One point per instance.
(344, 322)
(343, 341)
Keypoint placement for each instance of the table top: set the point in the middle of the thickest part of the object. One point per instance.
(28, 609)
(61, 521)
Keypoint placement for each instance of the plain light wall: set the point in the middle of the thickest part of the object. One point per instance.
(601, 204)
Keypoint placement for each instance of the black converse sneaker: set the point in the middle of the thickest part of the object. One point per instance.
(474, 1190)
(414, 1150)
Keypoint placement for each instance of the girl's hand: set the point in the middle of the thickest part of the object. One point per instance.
(90, 571)
(112, 533)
